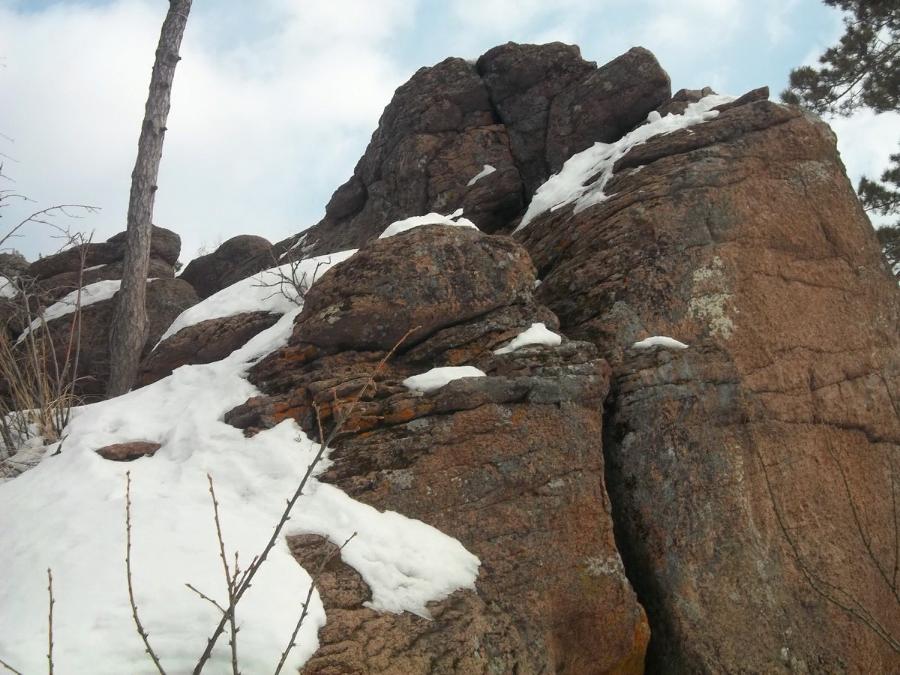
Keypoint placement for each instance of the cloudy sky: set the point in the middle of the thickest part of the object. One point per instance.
(275, 100)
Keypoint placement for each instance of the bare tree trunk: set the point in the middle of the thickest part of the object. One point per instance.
(128, 331)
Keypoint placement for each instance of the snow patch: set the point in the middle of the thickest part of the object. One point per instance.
(67, 513)
(486, 171)
(430, 219)
(659, 341)
(437, 377)
(537, 334)
(263, 292)
(584, 176)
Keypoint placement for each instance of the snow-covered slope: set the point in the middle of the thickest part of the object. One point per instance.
(68, 514)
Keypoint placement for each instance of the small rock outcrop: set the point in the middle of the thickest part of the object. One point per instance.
(236, 259)
(516, 455)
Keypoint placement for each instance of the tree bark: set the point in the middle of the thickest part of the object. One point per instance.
(128, 332)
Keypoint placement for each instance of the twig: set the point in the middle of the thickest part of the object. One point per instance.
(134, 610)
(10, 668)
(247, 578)
(206, 597)
(50, 622)
(312, 583)
(229, 579)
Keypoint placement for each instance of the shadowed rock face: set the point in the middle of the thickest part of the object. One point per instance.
(510, 464)
(521, 109)
(748, 471)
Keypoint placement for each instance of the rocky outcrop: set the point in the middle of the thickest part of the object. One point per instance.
(516, 455)
(236, 259)
(59, 274)
(203, 342)
(752, 474)
(521, 110)
(166, 299)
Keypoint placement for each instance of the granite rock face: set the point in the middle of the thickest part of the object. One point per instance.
(521, 110)
(510, 464)
(753, 475)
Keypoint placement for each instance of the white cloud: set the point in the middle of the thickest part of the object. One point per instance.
(247, 114)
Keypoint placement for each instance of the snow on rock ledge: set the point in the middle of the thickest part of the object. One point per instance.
(537, 334)
(267, 291)
(584, 176)
(659, 341)
(399, 226)
(436, 378)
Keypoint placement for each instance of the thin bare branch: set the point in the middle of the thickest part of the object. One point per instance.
(50, 622)
(134, 610)
(312, 583)
(247, 578)
(204, 596)
(229, 579)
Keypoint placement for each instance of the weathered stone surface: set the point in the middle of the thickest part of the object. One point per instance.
(166, 299)
(605, 105)
(523, 80)
(437, 133)
(510, 464)
(421, 281)
(128, 452)
(204, 342)
(53, 288)
(739, 467)
(236, 259)
(522, 109)
(164, 245)
(682, 99)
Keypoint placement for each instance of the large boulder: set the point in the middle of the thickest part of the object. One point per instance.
(482, 138)
(236, 259)
(510, 464)
(416, 283)
(753, 474)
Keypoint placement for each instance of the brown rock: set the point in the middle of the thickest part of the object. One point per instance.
(436, 134)
(735, 466)
(204, 342)
(164, 244)
(523, 80)
(510, 464)
(236, 259)
(58, 286)
(682, 99)
(128, 452)
(422, 281)
(605, 105)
